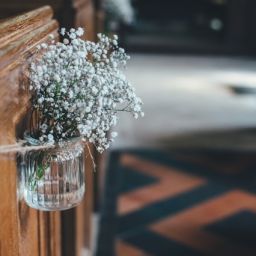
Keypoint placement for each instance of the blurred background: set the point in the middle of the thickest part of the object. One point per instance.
(182, 180)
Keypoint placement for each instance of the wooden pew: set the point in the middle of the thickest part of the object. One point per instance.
(24, 231)
(69, 13)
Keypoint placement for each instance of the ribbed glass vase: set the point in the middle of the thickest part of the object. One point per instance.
(54, 179)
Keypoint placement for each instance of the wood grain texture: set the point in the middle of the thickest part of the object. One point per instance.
(85, 17)
(22, 228)
(99, 15)
(49, 233)
(13, 28)
(78, 221)
(14, 56)
(69, 13)
(87, 205)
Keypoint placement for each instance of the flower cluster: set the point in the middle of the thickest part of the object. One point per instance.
(120, 10)
(78, 89)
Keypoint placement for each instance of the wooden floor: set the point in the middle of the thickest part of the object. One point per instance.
(184, 203)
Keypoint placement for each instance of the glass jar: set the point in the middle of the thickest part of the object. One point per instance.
(54, 178)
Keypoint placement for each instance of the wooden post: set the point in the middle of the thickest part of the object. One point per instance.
(76, 223)
(23, 231)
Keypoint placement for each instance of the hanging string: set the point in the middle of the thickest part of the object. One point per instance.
(21, 147)
(91, 156)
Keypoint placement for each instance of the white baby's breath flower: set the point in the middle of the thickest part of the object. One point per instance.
(114, 134)
(72, 35)
(44, 126)
(57, 78)
(71, 94)
(75, 42)
(80, 31)
(94, 90)
(79, 88)
(87, 109)
(44, 45)
(40, 100)
(62, 31)
(50, 138)
(65, 41)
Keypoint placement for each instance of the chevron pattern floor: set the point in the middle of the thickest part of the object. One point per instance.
(187, 203)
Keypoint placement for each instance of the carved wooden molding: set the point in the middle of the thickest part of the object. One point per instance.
(81, 3)
(23, 231)
(18, 38)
